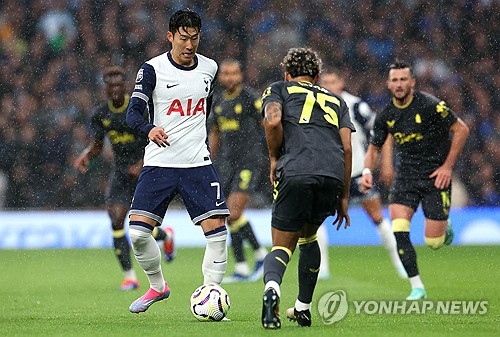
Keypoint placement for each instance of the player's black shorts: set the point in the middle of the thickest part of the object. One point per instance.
(435, 202)
(120, 188)
(239, 178)
(299, 200)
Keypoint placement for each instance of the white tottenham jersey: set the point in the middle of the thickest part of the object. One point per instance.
(363, 118)
(178, 99)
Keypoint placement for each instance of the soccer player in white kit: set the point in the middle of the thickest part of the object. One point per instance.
(170, 104)
(363, 118)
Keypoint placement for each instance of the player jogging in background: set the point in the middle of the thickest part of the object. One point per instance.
(128, 150)
(170, 104)
(308, 133)
(236, 144)
(363, 118)
(420, 125)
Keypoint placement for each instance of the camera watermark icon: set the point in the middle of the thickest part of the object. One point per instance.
(333, 307)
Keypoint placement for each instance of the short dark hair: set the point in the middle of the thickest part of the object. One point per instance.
(302, 62)
(184, 18)
(114, 71)
(400, 64)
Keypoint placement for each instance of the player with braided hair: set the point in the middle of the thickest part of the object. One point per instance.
(308, 132)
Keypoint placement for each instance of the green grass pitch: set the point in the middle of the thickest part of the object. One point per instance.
(74, 293)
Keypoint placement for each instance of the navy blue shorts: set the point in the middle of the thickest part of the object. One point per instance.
(199, 188)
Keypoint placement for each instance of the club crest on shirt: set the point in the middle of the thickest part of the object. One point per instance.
(207, 83)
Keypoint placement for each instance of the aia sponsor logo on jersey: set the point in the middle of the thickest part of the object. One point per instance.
(188, 109)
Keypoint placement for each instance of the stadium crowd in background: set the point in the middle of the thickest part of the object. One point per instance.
(52, 53)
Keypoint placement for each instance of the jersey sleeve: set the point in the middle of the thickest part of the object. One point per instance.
(271, 94)
(444, 115)
(210, 96)
(255, 104)
(379, 132)
(96, 127)
(345, 118)
(140, 99)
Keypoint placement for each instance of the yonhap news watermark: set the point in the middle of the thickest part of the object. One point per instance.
(333, 307)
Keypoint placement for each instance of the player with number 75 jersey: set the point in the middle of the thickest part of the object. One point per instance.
(312, 117)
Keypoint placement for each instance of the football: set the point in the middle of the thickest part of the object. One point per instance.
(210, 302)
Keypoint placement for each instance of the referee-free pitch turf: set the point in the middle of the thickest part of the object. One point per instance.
(75, 293)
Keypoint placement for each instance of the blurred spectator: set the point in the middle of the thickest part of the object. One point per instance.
(57, 24)
(52, 53)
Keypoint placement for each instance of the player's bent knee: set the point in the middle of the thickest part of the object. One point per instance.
(435, 243)
(400, 225)
(135, 236)
(138, 237)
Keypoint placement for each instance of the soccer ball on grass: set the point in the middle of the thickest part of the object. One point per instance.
(210, 302)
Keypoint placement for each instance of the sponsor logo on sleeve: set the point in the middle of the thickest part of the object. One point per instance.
(140, 76)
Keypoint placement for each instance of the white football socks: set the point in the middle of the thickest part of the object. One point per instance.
(300, 306)
(130, 274)
(260, 254)
(215, 259)
(389, 242)
(323, 248)
(242, 268)
(274, 285)
(416, 282)
(148, 255)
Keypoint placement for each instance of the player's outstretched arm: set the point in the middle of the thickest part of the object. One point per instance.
(442, 174)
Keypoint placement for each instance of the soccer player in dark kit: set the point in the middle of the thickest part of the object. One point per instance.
(308, 132)
(420, 125)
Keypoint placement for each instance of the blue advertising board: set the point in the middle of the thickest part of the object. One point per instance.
(92, 229)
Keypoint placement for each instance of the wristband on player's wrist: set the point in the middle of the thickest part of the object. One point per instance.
(366, 170)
